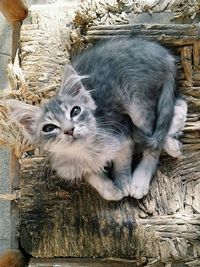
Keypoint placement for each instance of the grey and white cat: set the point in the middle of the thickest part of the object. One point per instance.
(116, 94)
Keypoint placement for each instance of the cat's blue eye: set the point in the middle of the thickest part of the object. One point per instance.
(49, 128)
(75, 111)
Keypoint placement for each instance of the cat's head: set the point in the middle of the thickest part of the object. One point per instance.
(65, 119)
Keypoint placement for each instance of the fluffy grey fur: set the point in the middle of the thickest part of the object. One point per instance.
(116, 94)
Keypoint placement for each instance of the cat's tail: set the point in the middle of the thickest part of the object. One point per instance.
(165, 111)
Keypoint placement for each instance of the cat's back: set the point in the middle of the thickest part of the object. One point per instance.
(123, 67)
(111, 56)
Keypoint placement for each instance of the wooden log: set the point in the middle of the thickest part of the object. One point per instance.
(173, 34)
(161, 38)
(14, 10)
(180, 29)
(73, 220)
(196, 53)
(145, 26)
(79, 262)
(186, 57)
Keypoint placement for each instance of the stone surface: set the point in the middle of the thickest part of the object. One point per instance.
(8, 210)
(5, 154)
(8, 170)
(5, 37)
(8, 216)
(4, 59)
(5, 186)
(5, 50)
(5, 223)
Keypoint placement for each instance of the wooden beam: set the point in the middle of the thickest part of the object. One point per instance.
(79, 262)
(16, 10)
(172, 34)
(72, 220)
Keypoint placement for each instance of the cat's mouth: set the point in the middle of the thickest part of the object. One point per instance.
(74, 138)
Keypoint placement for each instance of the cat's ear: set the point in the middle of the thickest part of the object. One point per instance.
(72, 85)
(71, 82)
(24, 114)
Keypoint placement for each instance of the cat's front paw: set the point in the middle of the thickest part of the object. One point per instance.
(123, 183)
(139, 186)
(113, 193)
(173, 147)
(104, 186)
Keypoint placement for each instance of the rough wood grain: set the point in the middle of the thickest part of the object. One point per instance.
(60, 219)
(14, 10)
(45, 40)
(91, 263)
(103, 12)
(172, 34)
(80, 263)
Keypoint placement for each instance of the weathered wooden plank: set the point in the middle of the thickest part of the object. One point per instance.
(172, 41)
(173, 34)
(196, 54)
(186, 28)
(14, 11)
(134, 31)
(91, 263)
(74, 221)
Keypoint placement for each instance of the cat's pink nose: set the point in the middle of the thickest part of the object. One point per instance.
(69, 132)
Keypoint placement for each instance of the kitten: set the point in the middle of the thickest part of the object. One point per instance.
(116, 94)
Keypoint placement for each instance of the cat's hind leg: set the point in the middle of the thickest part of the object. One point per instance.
(173, 146)
(106, 188)
(144, 119)
(122, 167)
(143, 173)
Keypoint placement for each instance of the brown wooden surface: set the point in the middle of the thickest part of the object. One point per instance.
(172, 34)
(103, 12)
(16, 10)
(91, 263)
(58, 219)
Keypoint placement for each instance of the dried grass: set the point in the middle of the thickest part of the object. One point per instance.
(104, 12)
(11, 134)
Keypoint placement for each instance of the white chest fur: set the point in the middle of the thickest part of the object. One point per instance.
(72, 161)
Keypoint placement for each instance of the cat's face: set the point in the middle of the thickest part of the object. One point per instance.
(63, 121)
